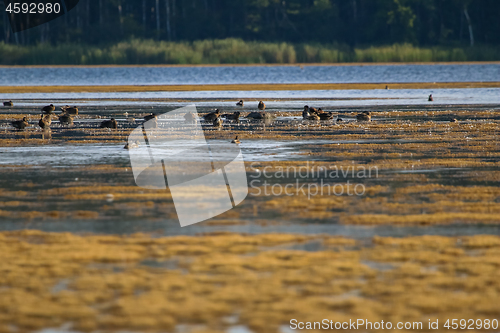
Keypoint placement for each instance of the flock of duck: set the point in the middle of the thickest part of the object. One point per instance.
(68, 113)
(309, 113)
(66, 117)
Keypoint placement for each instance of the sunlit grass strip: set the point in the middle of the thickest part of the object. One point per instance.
(233, 51)
(244, 87)
(419, 219)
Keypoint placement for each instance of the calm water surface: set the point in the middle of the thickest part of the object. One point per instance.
(274, 99)
(19, 76)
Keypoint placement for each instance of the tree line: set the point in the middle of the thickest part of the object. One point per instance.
(348, 23)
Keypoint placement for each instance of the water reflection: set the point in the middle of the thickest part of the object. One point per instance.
(146, 75)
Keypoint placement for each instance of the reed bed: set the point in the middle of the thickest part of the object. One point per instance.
(232, 51)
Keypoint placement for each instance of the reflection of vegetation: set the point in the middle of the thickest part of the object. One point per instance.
(232, 51)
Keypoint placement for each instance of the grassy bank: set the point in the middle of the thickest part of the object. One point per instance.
(243, 87)
(232, 51)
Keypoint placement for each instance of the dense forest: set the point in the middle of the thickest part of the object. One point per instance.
(341, 24)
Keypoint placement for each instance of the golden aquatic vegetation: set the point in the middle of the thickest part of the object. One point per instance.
(212, 282)
(244, 87)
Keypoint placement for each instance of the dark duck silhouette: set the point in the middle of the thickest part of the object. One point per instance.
(48, 109)
(310, 111)
(44, 121)
(150, 116)
(364, 116)
(431, 99)
(326, 116)
(232, 116)
(212, 116)
(305, 113)
(217, 122)
(73, 110)
(236, 140)
(261, 106)
(8, 103)
(109, 123)
(240, 103)
(255, 115)
(150, 121)
(20, 124)
(66, 119)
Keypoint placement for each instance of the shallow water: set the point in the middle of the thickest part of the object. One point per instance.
(93, 154)
(89, 154)
(328, 97)
(19, 76)
(170, 227)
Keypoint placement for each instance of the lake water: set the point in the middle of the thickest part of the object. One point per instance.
(19, 76)
(145, 75)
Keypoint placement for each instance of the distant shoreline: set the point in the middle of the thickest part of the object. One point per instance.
(446, 63)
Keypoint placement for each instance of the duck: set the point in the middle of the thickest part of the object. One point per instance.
(66, 119)
(386, 87)
(44, 121)
(364, 116)
(310, 110)
(431, 99)
(20, 124)
(70, 110)
(236, 140)
(240, 103)
(262, 106)
(305, 113)
(212, 116)
(48, 109)
(131, 145)
(190, 118)
(8, 103)
(232, 116)
(326, 116)
(313, 116)
(339, 120)
(255, 115)
(109, 123)
(150, 121)
(150, 116)
(217, 122)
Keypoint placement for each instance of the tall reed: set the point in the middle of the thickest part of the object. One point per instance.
(233, 51)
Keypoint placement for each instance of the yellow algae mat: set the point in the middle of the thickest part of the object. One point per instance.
(244, 87)
(216, 281)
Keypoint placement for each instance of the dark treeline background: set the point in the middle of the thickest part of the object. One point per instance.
(350, 22)
(273, 31)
